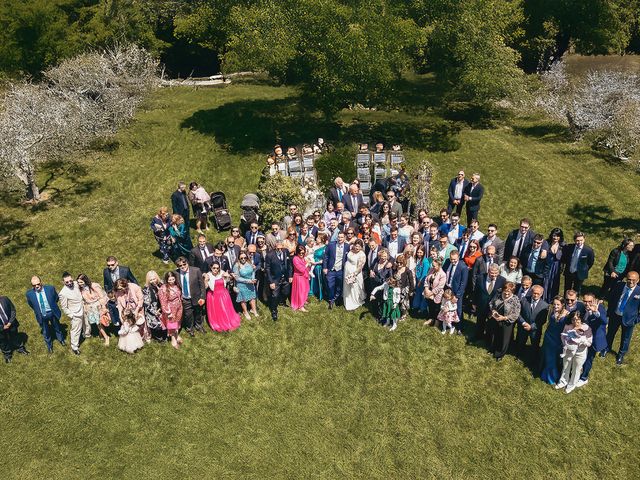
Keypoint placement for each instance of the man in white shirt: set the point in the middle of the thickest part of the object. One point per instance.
(72, 305)
(474, 231)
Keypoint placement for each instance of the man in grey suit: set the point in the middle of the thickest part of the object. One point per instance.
(491, 238)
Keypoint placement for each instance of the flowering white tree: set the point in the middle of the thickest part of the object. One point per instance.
(83, 98)
(604, 105)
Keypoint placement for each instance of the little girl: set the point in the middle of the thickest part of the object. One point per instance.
(389, 306)
(130, 339)
(448, 312)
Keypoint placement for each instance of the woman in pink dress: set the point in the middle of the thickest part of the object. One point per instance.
(300, 285)
(170, 296)
(221, 315)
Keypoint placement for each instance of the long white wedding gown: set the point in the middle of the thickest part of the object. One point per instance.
(354, 294)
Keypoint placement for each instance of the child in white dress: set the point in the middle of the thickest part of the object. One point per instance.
(448, 314)
(130, 339)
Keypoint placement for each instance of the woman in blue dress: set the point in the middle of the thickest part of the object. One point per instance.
(423, 264)
(554, 261)
(181, 239)
(245, 277)
(317, 280)
(552, 343)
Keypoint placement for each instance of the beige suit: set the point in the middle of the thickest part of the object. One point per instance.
(72, 305)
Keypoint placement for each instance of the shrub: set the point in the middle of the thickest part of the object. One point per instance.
(276, 193)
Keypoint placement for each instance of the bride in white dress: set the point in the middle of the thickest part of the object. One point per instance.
(353, 286)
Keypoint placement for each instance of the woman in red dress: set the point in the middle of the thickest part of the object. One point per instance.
(300, 286)
(221, 315)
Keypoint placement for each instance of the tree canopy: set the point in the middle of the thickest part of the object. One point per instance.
(340, 52)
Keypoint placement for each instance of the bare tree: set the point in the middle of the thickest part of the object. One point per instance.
(85, 97)
(604, 106)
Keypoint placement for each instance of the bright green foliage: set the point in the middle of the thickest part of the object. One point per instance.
(276, 193)
(469, 47)
(39, 33)
(33, 35)
(340, 52)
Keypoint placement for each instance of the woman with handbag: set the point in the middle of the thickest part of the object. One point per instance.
(95, 305)
(170, 298)
(129, 299)
(505, 310)
(434, 284)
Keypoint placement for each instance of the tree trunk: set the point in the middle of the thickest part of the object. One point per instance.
(33, 192)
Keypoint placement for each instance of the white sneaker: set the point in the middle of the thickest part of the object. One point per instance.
(560, 385)
(394, 326)
(581, 383)
(570, 389)
(452, 330)
(443, 331)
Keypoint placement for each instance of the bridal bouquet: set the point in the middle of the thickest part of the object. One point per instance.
(351, 278)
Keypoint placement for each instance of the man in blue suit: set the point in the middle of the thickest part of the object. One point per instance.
(596, 317)
(456, 193)
(251, 235)
(43, 300)
(457, 276)
(279, 276)
(335, 255)
(624, 305)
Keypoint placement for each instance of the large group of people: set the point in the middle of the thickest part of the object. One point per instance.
(361, 252)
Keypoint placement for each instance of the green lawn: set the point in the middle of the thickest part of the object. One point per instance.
(321, 395)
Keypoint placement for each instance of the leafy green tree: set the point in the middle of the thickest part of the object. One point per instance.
(469, 46)
(591, 26)
(339, 52)
(33, 35)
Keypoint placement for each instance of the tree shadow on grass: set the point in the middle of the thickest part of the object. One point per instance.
(250, 125)
(546, 132)
(64, 180)
(599, 219)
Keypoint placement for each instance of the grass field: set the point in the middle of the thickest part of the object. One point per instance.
(321, 395)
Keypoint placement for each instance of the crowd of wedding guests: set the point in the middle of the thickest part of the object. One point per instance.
(362, 251)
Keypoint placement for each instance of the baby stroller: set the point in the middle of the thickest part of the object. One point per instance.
(221, 216)
(249, 206)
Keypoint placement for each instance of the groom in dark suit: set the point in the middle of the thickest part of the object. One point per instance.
(43, 300)
(335, 255)
(279, 275)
